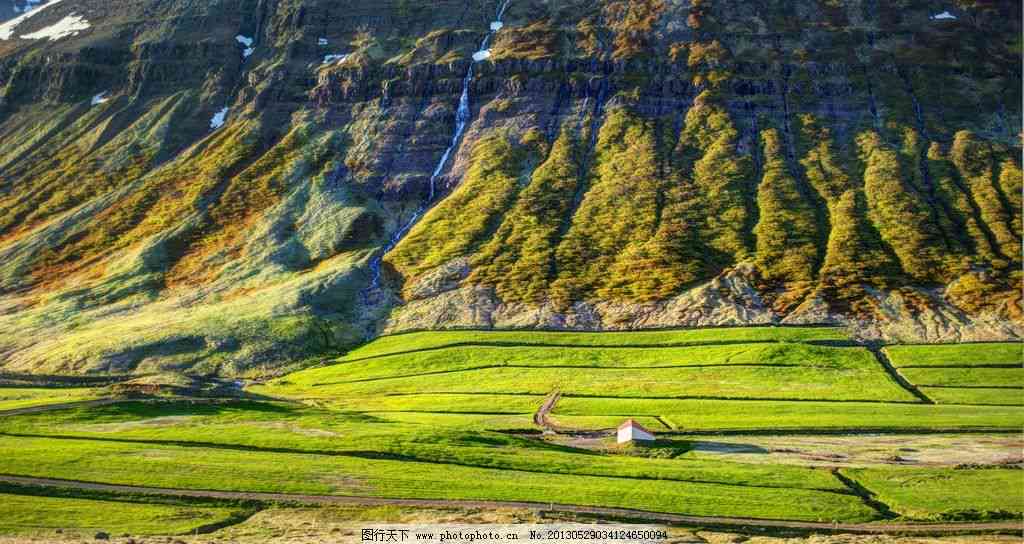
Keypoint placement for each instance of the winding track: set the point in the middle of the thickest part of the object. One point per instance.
(623, 513)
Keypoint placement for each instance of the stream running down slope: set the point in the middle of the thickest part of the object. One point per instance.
(463, 115)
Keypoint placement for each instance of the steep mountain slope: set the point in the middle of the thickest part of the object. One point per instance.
(234, 185)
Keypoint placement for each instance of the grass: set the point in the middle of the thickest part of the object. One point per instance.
(469, 357)
(26, 514)
(448, 404)
(24, 397)
(784, 370)
(210, 468)
(975, 395)
(945, 493)
(444, 418)
(278, 429)
(729, 381)
(698, 415)
(401, 343)
(954, 377)
(957, 354)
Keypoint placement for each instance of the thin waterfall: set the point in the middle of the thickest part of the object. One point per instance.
(463, 116)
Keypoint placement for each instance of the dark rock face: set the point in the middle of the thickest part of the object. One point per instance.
(625, 164)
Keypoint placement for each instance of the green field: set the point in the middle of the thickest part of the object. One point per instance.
(40, 515)
(705, 415)
(418, 341)
(451, 417)
(975, 395)
(234, 469)
(983, 373)
(782, 370)
(12, 398)
(957, 354)
(965, 377)
(945, 493)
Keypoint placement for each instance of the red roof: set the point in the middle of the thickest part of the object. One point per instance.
(632, 423)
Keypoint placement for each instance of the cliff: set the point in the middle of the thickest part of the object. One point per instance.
(237, 186)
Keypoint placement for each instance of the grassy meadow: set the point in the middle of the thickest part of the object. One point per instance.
(981, 373)
(451, 416)
(30, 515)
(12, 398)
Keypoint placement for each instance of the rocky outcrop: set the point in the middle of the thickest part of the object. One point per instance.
(730, 299)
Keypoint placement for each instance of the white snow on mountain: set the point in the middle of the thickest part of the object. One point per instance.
(247, 42)
(7, 29)
(68, 26)
(218, 118)
(101, 98)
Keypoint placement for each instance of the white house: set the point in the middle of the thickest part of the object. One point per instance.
(631, 431)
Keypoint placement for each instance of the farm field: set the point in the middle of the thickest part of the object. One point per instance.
(924, 493)
(984, 373)
(702, 415)
(782, 370)
(40, 515)
(460, 418)
(1001, 396)
(12, 398)
(981, 354)
(419, 341)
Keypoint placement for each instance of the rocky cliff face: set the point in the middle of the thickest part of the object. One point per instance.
(236, 185)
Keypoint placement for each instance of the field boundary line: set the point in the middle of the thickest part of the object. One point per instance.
(869, 498)
(621, 513)
(967, 366)
(1004, 387)
(737, 399)
(894, 373)
(815, 431)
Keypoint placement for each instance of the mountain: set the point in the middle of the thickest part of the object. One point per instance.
(237, 186)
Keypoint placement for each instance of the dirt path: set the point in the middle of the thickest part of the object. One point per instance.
(541, 417)
(621, 513)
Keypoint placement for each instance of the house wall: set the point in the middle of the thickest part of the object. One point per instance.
(632, 433)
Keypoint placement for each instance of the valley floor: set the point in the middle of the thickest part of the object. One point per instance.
(759, 429)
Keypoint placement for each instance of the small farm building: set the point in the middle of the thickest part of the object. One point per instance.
(631, 431)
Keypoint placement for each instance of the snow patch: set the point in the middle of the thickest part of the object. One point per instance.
(7, 29)
(247, 43)
(482, 55)
(321, 41)
(101, 98)
(944, 16)
(68, 26)
(332, 58)
(217, 120)
(496, 26)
